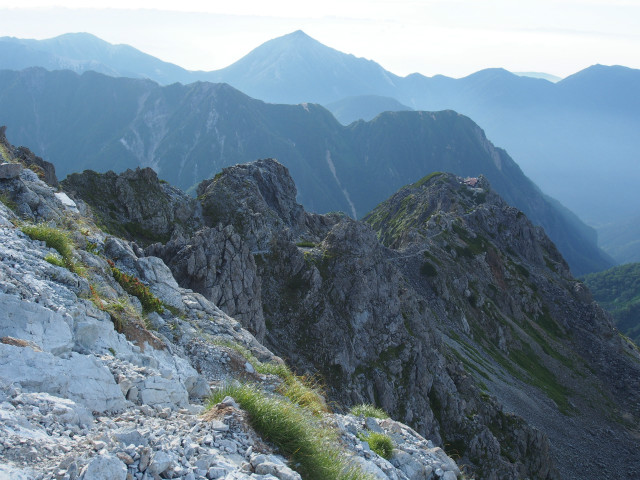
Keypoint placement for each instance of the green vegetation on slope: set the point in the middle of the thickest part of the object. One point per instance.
(618, 291)
(312, 445)
(56, 239)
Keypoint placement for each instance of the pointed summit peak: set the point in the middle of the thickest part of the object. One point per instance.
(295, 38)
(298, 33)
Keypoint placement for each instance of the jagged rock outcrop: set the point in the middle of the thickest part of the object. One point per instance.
(468, 298)
(136, 204)
(207, 254)
(259, 200)
(218, 264)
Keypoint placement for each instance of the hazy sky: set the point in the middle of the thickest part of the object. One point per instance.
(451, 37)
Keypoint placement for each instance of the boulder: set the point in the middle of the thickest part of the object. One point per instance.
(163, 392)
(80, 378)
(10, 170)
(106, 467)
(153, 271)
(34, 323)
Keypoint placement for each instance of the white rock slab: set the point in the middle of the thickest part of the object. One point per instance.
(80, 378)
(35, 323)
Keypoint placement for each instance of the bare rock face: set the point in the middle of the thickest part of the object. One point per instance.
(259, 200)
(344, 308)
(136, 204)
(465, 297)
(218, 264)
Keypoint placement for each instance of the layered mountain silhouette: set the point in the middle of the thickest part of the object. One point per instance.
(188, 133)
(576, 138)
(82, 52)
(363, 107)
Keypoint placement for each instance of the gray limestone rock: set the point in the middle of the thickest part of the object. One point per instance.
(34, 323)
(105, 467)
(80, 378)
(10, 170)
(161, 391)
(218, 264)
(153, 271)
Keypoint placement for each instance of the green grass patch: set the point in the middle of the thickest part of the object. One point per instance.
(546, 347)
(133, 286)
(120, 310)
(54, 238)
(302, 390)
(379, 443)
(424, 180)
(55, 260)
(4, 154)
(533, 372)
(368, 410)
(469, 366)
(10, 204)
(541, 377)
(312, 446)
(549, 324)
(305, 391)
(305, 244)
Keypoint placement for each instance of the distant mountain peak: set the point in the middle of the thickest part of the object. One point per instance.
(298, 34)
(293, 40)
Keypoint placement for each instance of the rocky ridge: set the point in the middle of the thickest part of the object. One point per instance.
(94, 385)
(465, 306)
(443, 314)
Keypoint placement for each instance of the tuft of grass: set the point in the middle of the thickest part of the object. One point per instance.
(300, 389)
(54, 238)
(54, 260)
(306, 243)
(312, 446)
(305, 391)
(133, 286)
(379, 443)
(368, 410)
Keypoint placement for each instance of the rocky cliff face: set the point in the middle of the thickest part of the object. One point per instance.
(135, 204)
(105, 361)
(463, 307)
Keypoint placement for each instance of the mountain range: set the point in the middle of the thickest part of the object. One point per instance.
(188, 132)
(576, 138)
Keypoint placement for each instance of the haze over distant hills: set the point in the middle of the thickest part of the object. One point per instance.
(577, 138)
(188, 133)
(82, 52)
(544, 76)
